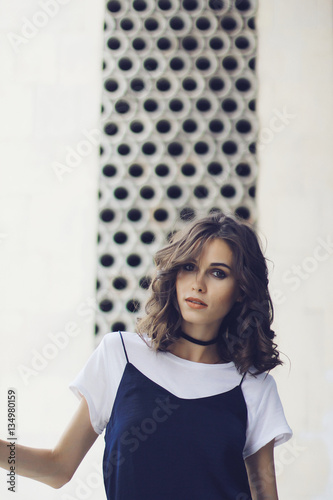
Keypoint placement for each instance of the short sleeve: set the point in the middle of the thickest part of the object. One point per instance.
(266, 418)
(98, 381)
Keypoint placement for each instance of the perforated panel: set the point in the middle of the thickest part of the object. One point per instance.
(179, 130)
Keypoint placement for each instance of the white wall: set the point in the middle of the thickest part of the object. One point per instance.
(295, 197)
(50, 101)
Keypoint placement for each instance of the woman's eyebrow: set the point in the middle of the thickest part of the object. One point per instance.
(220, 264)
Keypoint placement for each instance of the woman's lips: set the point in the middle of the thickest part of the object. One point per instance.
(195, 305)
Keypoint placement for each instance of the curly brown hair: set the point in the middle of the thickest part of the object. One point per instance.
(245, 336)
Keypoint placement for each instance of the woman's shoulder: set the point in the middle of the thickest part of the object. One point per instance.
(115, 342)
(258, 387)
(263, 380)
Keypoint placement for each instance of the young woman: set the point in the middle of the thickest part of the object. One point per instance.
(189, 409)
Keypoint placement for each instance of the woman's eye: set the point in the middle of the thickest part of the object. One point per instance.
(219, 274)
(188, 267)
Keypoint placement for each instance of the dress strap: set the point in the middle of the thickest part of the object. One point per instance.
(122, 340)
(243, 377)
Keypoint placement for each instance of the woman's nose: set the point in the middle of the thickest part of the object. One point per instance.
(198, 283)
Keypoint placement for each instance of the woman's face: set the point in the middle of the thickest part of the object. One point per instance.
(210, 279)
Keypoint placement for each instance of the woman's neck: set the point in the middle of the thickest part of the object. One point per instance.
(193, 352)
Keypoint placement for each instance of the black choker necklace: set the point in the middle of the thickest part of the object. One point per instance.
(199, 342)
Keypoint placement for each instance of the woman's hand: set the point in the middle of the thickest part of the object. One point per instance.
(55, 467)
(261, 473)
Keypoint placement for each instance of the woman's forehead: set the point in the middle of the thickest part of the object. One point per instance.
(214, 248)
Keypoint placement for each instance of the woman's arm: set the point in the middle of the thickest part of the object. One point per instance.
(261, 473)
(55, 467)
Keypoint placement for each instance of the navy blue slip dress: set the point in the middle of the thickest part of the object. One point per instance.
(162, 447)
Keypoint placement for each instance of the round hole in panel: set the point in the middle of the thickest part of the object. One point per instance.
(136, 127)
(232, 106)
(123, 149)
(120, 193)
(230, 148)
(119, 283)
(133, 260)
(164, 43)
(147, 237)
(139, 5)
(243, 213)
(149, 148)
(111, 85)
(137, 85)
(188, 169)
(232, 23)
(163, 126)
(150, 64)
(175, 149)
(139, 44)
(251, 23)
(180, 105)
(244, 126)
(219, 6)
(152, 24)
(167, 7)
(192, 45)
(134, 215)
(162, 170)
(115, 7)
(118, 326)
(174, 192)
(243, 169)
(130, 25)
(190, 5)
(160, 215)
(109, 170)
(243, 5)
(114, 44)
(190, 126)
(106, 260)
(187, 214)
(178, 64)
(135, 170)
(216, 126)
(206, 64)
(145, 282)
(111, 129)
(252, 105)
(233, 64)
(252, 63)
(243, 85)
(201, 192)
(180, 23)
(133, 305)
(228, 191)
(242, 43)
(150, 105)
(147, 193)
(128, 65)
(219, 85)
(120, 237)
(106, 305)
(107, 215)
(153, 106)
(215, 168)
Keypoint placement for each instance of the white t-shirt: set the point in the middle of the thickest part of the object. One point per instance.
(99, 379)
